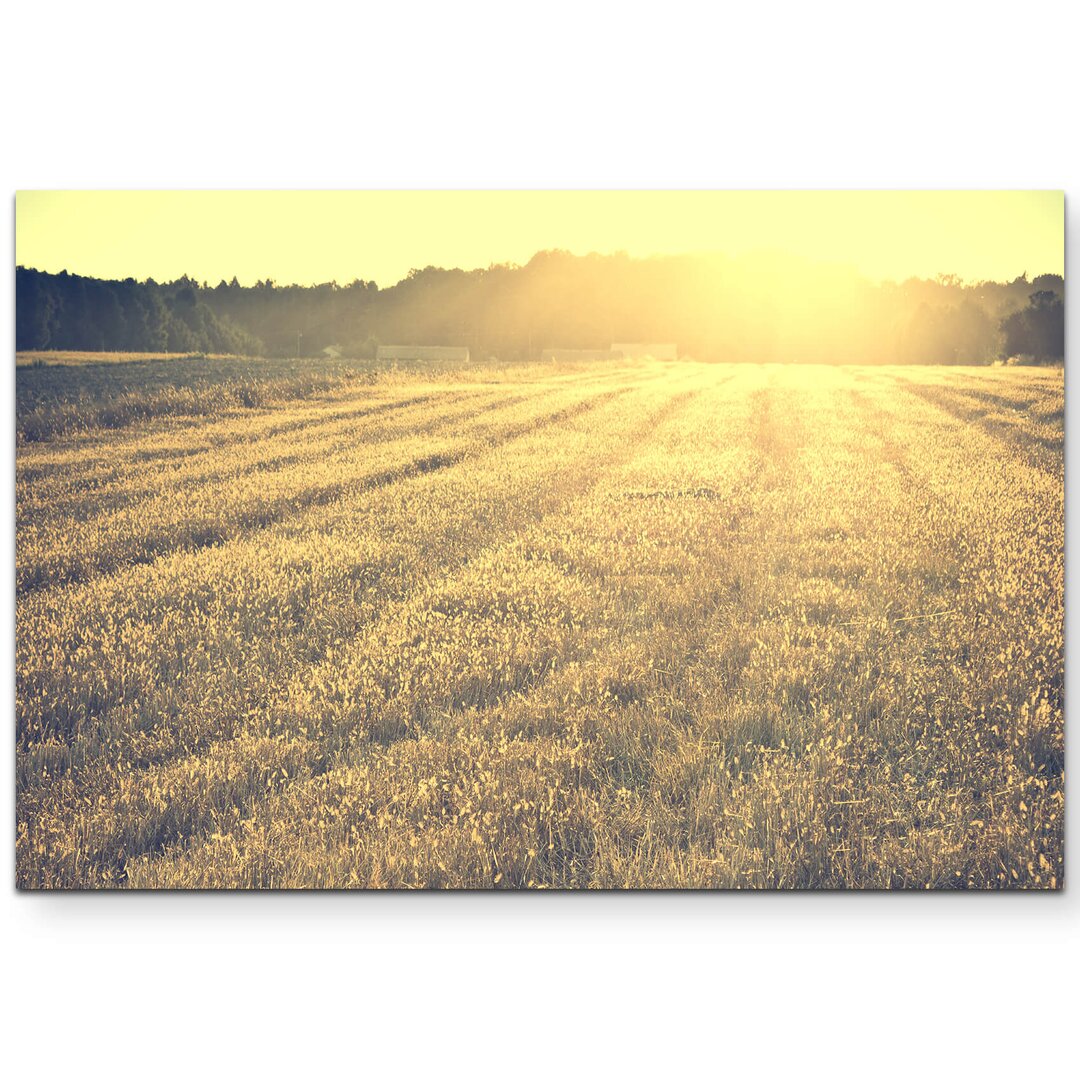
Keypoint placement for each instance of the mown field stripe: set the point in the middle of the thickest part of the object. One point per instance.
(188, 476)
(532, 675)
(1039, 443)
(146, 532)
(41, 812)
(745, 691)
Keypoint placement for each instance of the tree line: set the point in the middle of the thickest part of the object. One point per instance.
(713, 307)
(67, 311)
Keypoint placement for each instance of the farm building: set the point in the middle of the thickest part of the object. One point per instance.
(636, 350)
(456, 353)
(576, 354)
(332, 352)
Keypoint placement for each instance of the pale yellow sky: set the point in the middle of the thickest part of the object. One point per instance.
(316, 236)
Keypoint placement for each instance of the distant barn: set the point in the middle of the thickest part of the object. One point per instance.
(637, 350)
(332, 352)
(455, 353)
(576, 354)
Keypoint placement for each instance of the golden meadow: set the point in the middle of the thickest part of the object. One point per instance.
(646, 625)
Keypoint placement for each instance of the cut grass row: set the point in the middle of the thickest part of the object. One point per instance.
(721, 628)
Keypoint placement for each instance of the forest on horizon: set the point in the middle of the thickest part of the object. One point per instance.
(751, 308)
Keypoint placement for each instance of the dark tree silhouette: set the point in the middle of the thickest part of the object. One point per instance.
(66, 311)
(1037, 330)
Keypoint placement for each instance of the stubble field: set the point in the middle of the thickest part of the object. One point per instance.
(630, 625)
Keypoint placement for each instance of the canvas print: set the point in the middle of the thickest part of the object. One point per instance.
(539, 540)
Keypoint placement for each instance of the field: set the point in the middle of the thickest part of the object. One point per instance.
(61, 393)
(610, 625)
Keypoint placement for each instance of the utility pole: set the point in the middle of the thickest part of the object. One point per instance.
(298, 337)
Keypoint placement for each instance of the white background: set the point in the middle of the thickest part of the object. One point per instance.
(553, 95)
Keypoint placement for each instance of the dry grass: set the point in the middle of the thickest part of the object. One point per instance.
(656, 625)
(71, 357)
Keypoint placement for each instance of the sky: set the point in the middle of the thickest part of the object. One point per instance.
(307, 237)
